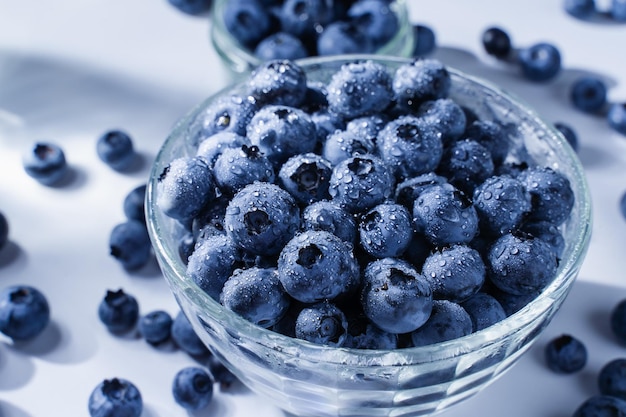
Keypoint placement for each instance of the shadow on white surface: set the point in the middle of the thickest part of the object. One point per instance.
(16, 369)
(11, 254)
(9, 410)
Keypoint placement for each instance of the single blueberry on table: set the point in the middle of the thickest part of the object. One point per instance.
(280, 45)
(425, 40)
(419, 81)
(134, 204)
(601, 406)
(375, 19)
(306, 177)
(386, 231)
(156, 326)
(497, 42)
(447, 321)
(565, 354)
(569, 133)
(186, 338)
(540, 62)
(118, 311)
(24, 312)
(46, 163)
(237, 167)
(612, 378)
(4, 230)
(130, 245)
(327, 216)
(115, 148)
(588, 94)
(484, 310)
(248, 21)
(115, 397)
(617, 117)
(212, 262)
(279, 81)
(192, 7)
(580, 9)
(322, 323)
(192, 388)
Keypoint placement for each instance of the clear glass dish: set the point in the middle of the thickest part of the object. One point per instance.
(241, 60)
(313, 380)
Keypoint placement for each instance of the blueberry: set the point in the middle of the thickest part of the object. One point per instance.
(211, 263)
(386, 231)
(521, 264)
(581, 9)
(247, 20)
(565, 354)
(279, 81)
(617, 117)
(360, 183)
(302, 18)
(419, 81)
(229, 113)
(192, 7)
(134, 204)
(547, 232)
(569, 133)
(497, 42)
(237, 167)
(501, 202)
(588, 94)
(540, 62)
(306, 177)
(329, 217)
(322, 323)
(4, 230)
(220, 373)
(156, 326)
(618, 321)
(367, 127)
(455, 273)
(410, 146)
(552, 197)
(447, 321)
(186, 338)
(115, 148)
(130, 245)
(484, 310)
(282, 131)
(395, 296)
(425, 40)
(601, 406)
(316, 265)
(612, 378)
(622, 207)
(24, 312)
(192, 388)
(257, 295)
(343, 37)
(186, 245)
(618, 10)
(46, 163)
(115, 397)
(372, 338)
(467, 164)
(408, 190)
(446, 116)
(118, 311)
(359, 89)
(280, 45)
(342, 144)
(445, 215)
(212, 146)
(512, 303)
(184, 187)
(375, 19)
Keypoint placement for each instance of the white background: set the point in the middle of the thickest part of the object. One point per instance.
(72, 69)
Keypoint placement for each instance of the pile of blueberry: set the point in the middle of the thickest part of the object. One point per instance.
(291, 29)
(372, 211)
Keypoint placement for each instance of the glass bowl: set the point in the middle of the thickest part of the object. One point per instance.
(241, 60)
(306, 379)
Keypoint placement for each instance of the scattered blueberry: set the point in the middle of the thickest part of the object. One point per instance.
(612, 378)
(192, 7)
(115, 397)
(118, 311)
(115, 148)
(497, 42)
(540, 62)
(155, 326)
(566, 354)
(4, 230)
(186, 338)
(425, 40)
(24, 312)
(134, 204)
(569, 133)
(322, 323)
(601, 406)
(130, 245)
(617, 117)
(192, 388)
(46, 163)
(588, 94)
(580, 9)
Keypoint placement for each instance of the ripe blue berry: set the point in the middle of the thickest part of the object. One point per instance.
(237, 167)
(301, 18)
(588, 94)
(501, 202)
(329, 217)
(306, 177)
(192, 7)
(342, 37)
(552, 197)
(212, 262)
(492, 136)
(447, 321)
(618, 321)
(484, 310)
(386, 231)
(278, 81)
(322, 323)
(220, 373)
(156, 326)
(466, 163)
(497, 42)
(408, 190)
(612, 378)
(547, 232)
(566, 354)
(212, 146)
(581, 9)
(375, 19)
(342, 144)
(46, 163)
(192, 388)
(115, 397)
(229, 113)
(422, 80)
(617, 117)
(186, 338)
(601, 406)
(280, 45)
(24, 312)
(118, 311)
(130, 245)
(569, 133)
(425, 40)
(115, 148)
(4, 230)
(134, 204)
(445, 116)
(371, 338)
(247, 20)
(540, 62)
(618, 10)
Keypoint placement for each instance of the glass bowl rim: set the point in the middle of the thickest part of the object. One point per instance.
(556, 291)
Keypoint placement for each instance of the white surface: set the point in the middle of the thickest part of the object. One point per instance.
(71, 69)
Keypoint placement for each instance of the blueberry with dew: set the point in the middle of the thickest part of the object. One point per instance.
(551, 194)
(115, 148)
(192, 388)
(343, 144)
(330, 217)
(497, 42)
(316, 266)
(306, 177)
(156, 326)
(395, 296)
(484, 310)
(372, 337)
(565, 354)
(24, 312)
(130, 245)
(422, 80)
(212, 146)
(322, 323)
(256, 294)
(230, 113)
(447, 321)
(408, 190)
(115, 397)
(279, 81)
(386, 231)
(118, 311)
(466, 164)
(185, 337)
(237, 167)
(588, 94)
(134, 204)
(546, 231)
(46, 163)
(491, 135)
(445, 116)
(540, 62)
